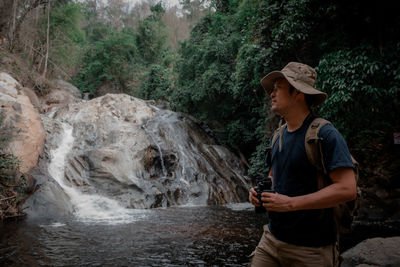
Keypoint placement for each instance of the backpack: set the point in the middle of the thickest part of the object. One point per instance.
(344, 213)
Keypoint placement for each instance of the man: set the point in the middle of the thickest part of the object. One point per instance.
(301, 229)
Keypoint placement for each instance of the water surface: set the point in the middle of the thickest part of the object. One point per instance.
(177, 236)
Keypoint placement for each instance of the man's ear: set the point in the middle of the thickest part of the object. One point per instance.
(299, 95)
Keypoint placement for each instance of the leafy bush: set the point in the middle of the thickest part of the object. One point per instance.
(363, 89)
(206, 84)
(109, 60)
(152, 36)
(12, 186)
(7, 160)
(120, 59)
(157, 83)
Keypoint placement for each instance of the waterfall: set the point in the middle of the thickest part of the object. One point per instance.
(88, 207)
(129, 155)
(164, 170)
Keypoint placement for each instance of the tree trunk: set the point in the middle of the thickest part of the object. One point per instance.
(32, 53)
(11, 34)
(48, 40)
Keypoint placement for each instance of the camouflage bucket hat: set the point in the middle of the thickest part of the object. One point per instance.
(300, 76)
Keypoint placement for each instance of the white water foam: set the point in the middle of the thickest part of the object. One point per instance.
(57, 224)
(88, 208)
(240, 206)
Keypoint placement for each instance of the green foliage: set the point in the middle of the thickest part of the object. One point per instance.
(157, 84)
(67, 39)
(110, 60)
(225, 6)
(66, 18)
(219, 73)
(152, 36)
(122, 59)
(7, 160)
(363, 90)
(206, 70)
(257, 161)
(157, 11)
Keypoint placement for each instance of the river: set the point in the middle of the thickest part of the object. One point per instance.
(175, 236)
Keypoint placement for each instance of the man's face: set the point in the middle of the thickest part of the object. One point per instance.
(281, 97)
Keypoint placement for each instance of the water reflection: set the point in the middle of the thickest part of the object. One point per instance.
(180, 236)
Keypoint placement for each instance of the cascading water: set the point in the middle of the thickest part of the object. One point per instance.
(158, 147)
(88, 208)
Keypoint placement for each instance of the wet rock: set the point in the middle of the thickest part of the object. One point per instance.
(145, 157)
(48, 202)
(373, 252)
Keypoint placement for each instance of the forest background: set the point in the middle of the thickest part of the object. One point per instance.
(207, 57)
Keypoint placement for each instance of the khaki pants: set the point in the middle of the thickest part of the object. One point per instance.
(272, 252)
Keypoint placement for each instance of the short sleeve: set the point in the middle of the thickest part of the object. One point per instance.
(335, 151)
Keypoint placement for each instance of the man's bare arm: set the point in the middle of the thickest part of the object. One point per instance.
(342, 189)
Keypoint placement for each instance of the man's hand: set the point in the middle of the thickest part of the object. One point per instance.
(271, 201)
(253, 197)
(277, 202)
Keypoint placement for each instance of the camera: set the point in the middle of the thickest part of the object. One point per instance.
(264, 184)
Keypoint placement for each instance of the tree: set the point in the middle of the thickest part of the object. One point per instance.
(152, 36)
(47, 40)
(111, 60)
(12, 15)
(67, 38)
(157, 84)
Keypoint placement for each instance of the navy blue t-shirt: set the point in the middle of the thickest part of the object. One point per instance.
(294, 175)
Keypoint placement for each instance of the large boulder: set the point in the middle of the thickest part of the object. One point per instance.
(21, 124)
(382, 252)
(62, 94)
(49, 202)
(32, 97)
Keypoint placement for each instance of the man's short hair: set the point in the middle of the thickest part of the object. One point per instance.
(291, 89)
(308, 98)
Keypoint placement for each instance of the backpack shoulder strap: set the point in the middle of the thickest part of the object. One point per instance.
(278, 133)
(313, 145)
